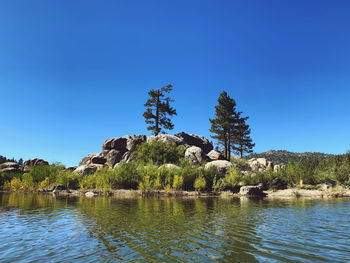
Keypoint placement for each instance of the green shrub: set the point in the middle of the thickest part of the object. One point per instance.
(67, 178)
(209, 175)
(232, 179)
(27, 183)
(158, 152)
(178, 182)
(189, 175)
(199, 184)
(342, 174)
(166, 176)
(146, 185)
(45, 183)
(241, 163)
(7, 177)
(38, 173)
(16, 184)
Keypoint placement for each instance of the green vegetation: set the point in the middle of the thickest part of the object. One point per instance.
(242, 141)
(229, 128)
(3, 159)
(148, 172)
(285, 157)
(313, 172)
(158, 152)
(158, 108)
(199, 184)
(145, 172)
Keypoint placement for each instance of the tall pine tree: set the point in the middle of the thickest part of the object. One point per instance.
(242, 142)
(158, 109)
(224, 123)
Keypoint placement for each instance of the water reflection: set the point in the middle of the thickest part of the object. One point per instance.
(173, 229)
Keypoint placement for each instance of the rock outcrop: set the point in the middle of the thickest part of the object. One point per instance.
(195, 140)
(251, 190)
(168, 166)
(260, 164)
(87, 159)
(215, 155)
(115, 150)
(166, 138)
(34, 162)
(195, 155)
(134, 140)
(113, 157)
(88, 169)
(222, 166)
(11, 167)
(115, 143)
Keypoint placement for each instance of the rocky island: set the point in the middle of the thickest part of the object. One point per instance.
(181, 164)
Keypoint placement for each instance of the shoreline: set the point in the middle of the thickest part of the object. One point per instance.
(291, 193)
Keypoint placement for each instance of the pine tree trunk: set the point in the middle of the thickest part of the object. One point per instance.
(225, 146)
(229, 146)
(157, 115)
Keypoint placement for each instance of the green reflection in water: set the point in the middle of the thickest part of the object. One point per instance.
(192, 229)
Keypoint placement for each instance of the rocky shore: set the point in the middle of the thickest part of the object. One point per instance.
(199, 153)
(248, 191)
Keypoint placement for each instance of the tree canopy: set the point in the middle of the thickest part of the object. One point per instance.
(230, 129)
(224, 123)
(243, 143)
(158, 109)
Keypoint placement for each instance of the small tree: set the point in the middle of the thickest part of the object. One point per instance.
(158, 108)
(224, 123)
(242, 141)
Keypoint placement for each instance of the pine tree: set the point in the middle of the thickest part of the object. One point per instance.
(242, 142)
(158, 108)
(223, 126)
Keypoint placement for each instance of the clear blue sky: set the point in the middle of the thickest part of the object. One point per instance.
(74, 73)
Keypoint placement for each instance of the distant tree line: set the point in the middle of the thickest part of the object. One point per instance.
(284, 157)
(229, 127)
(3, 159)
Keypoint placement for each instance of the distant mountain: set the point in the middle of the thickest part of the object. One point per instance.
(281, 156)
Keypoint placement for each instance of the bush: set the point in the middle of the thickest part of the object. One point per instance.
(178, 182)
(199, 184)
(6, 178)
(38, 173)
(241, 163)
(27, 183)
(146, 185)
(45, 183)
(232, 179)
(68, 178)
(313, 172)
(15, 184)
(158, 152)
(166, 176)
(189, 175)
(124, 176)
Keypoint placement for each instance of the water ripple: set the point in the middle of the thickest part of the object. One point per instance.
(38, 228)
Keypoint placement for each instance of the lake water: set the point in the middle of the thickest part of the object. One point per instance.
(42, 228)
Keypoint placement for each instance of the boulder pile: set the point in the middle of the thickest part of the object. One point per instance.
(114, 150)
(13, 167)
(34, 162)
(261, 165)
